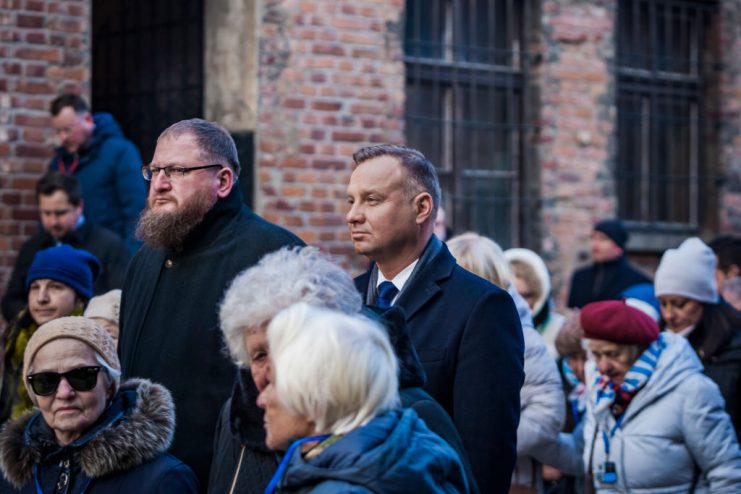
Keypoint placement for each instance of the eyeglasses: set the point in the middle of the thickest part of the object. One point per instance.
(177, 171)
(81, 379)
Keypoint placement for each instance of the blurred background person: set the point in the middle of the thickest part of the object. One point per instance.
(285, 277)
(654, 422)
(541, 395)
(533, 282)
(727, 250)
(59, 283)
(610, 273)
(62, 222)
(690, 306)
(331, 404)
(104, 310)
(91, 433)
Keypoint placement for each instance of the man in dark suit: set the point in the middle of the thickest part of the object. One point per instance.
(197, 236)
(466, 330)
(63, 222)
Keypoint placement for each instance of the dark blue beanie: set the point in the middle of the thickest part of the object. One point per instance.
(76, 268)
(613, 229)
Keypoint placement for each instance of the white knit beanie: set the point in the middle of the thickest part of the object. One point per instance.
(106, 306)
(688, 271)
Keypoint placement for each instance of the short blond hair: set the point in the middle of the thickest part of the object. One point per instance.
(482, 256)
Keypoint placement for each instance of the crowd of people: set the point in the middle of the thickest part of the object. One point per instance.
(226, 356)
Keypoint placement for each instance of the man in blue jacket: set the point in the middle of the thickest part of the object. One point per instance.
(466, 330)
(93, 149)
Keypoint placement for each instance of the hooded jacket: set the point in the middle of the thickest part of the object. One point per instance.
(674, 425)
(123, 452)
(394, 453)
(109, 171)
(542, 412)
(240, 434)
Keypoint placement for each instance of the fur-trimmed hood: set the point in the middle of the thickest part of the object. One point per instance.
(136, 427)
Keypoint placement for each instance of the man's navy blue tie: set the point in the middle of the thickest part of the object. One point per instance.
(386, 293)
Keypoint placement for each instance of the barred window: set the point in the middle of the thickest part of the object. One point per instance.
(464, 106)
(665, 156)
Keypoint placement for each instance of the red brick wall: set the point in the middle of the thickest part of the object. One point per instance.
(44, 49)
(575, 127)
(331, 81)
(730, 116)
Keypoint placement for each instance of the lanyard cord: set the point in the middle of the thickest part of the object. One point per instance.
(63, 168)
(287, 458)
(612, 434)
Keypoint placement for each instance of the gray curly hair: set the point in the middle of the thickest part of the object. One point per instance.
(279, 280)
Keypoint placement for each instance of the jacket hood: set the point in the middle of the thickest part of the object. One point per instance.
(394, 452)
(533, 260)
(136, 427)
(677, 362)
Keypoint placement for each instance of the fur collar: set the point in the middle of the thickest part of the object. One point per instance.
(145, 431)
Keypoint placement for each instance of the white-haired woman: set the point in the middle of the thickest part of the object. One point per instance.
(541, 397)
(331, 404)
(242, 463)
(91, 433)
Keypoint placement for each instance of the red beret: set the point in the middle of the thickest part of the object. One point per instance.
(614, 321)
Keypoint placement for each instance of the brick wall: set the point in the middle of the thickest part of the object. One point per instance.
(331, 81)
(576, 124)
(730, 116)
(44, 49)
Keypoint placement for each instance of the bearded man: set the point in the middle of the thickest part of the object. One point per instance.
(197, 236)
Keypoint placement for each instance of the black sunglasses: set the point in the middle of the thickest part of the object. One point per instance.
(81, 379)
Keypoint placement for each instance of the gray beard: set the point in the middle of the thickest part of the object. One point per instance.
(168, 230)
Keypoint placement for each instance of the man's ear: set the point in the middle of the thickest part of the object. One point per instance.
(423, 207)
(88, 117)
(225, 176)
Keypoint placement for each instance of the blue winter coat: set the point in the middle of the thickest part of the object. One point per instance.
(394, 452)
(109, 171)
(122, 453)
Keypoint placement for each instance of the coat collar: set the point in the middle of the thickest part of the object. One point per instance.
(111, 445)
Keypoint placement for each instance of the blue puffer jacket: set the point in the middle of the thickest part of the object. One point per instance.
(109, 170)
(394, 452)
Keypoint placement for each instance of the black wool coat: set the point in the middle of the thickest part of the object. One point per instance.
(169, 318)
(108, 247)
(603, 281)
(468, 336)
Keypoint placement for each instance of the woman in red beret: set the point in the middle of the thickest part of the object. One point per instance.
(654, 422)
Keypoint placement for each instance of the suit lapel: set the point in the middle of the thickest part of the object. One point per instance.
(425, 283)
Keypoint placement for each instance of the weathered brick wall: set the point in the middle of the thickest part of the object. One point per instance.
(44, 49)
(730, 116)
(575, 130)
(331, 81)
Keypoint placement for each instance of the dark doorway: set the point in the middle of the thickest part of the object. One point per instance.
(148, 64)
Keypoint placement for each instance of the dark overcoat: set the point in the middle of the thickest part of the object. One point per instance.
(469, 339)
(169, 318)
(604, 281)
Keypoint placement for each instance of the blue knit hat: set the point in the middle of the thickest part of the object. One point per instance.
(76, 268)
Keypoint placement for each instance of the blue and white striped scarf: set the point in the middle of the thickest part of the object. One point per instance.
(604, 391)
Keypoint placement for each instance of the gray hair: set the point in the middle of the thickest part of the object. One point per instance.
(214, 140)
(279, 280)
(337, 370)
(421, 174)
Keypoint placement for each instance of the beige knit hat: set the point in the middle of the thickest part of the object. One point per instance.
(105, 306)
(78, 328)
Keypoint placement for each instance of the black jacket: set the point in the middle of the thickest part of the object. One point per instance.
(110, 250)
(717, 341)
(169, 318)
(240, 431)
(123, 452)
(603, 281)
(468, 336)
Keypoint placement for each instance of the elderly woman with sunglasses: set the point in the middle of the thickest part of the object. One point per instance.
(331, 404)
(91, 434)
(654, 422)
